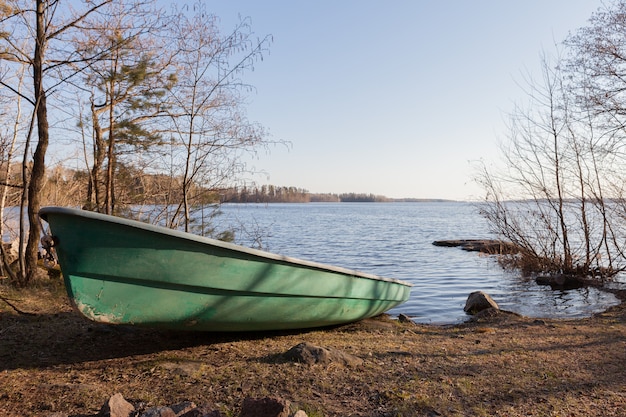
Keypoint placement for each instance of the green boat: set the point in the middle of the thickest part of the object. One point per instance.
(122, 271)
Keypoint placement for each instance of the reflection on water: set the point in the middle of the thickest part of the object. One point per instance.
(395, 240)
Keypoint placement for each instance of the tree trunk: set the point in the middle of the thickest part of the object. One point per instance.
(94, 192)
(108, 199)
(38, 172)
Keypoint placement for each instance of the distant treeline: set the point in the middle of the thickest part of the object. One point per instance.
(281, 194)
(265, 194)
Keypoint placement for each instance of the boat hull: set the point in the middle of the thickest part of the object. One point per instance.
(121, 271)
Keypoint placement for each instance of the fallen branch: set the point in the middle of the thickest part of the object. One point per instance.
(17, 310)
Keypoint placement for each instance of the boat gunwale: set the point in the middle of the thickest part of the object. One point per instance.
(43, 213)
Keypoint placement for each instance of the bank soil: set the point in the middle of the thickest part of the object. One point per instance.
(53, 360)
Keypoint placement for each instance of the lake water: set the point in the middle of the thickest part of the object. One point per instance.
(395, 240)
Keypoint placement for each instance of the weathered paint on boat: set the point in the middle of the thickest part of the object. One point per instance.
(122, 271)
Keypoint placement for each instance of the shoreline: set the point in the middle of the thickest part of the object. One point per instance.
(54, 361)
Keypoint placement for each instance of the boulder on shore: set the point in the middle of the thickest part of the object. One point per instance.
(310, 354)
(117, 406)
(265, 407)
(479, 301)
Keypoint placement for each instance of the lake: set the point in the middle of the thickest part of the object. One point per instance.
(395, 240)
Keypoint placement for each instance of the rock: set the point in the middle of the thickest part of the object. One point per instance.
(561, 281)
(311, 354)
(300, 413)
(403, 318)
(117, 406)
(265, 407)
(158, 412)
(479, 301)
(182, 408)
(489, 246)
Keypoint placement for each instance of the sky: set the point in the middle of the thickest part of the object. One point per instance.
(398, 98)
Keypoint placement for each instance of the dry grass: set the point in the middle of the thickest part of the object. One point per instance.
(55, 361)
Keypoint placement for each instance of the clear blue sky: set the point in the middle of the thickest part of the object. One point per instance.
(397, 98)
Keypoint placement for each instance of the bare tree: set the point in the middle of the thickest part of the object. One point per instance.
(68, 45)
(46, 26)
(548, 197)
(597, 66)
(209, 128)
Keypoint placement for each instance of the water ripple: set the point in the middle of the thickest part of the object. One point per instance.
(395, 240)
